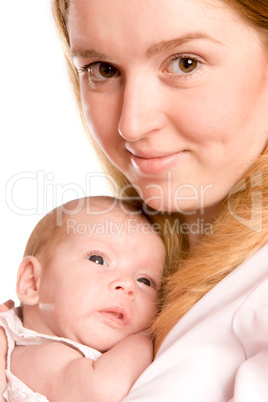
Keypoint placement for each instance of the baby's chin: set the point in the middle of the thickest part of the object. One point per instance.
(104, 345)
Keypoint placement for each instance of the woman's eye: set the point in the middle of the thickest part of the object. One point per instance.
(183, 65)
(100, 71)
(98, 259)
(146, 281)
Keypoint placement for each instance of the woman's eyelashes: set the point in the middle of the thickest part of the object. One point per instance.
(183, 66)
(99, 73)
(179, 66)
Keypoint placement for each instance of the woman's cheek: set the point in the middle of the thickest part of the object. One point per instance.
(102, 115)
(205, 116)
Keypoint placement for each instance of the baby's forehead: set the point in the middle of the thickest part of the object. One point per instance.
(104, 215)
(115, 213)
(109, 220)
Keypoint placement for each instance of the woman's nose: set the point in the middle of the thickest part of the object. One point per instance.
(126, 286)
(141, 109)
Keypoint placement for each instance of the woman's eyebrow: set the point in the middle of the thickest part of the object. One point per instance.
(167, 44)
(90, 53)
(151, 51)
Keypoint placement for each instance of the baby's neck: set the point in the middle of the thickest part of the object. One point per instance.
(33, 321)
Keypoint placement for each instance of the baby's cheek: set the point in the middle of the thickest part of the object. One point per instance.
(152, 310)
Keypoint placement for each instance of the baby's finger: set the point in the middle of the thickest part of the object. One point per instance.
(6, 306)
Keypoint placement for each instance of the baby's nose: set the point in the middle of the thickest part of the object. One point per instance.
(126, 286)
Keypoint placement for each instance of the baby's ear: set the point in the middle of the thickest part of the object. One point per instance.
(28, 280)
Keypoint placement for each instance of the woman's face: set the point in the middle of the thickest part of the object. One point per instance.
(175, 93)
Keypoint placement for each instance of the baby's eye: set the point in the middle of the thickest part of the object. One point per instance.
(98, 259)
(182, 65)
(146, 281)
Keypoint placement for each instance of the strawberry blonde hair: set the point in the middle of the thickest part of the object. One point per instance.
(240, 227)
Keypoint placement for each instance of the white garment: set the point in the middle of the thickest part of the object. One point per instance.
(16, 390)
(218, 351)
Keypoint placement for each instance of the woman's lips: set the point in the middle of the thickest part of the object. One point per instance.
(155, 164)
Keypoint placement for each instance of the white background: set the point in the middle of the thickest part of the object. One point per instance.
(40, 131)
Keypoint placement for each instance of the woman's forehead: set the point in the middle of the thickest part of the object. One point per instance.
(96, 23)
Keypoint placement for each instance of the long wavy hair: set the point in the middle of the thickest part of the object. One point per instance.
(240, 227)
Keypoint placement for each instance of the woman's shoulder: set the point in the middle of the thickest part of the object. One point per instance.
(250, 322)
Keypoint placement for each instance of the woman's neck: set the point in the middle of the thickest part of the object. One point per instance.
(195, 225)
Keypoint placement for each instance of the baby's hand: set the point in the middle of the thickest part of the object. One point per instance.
(3, 351)
(9, 304)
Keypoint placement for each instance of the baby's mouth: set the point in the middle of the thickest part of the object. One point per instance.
(118, 315)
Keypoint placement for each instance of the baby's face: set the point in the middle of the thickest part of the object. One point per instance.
(102, 282)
